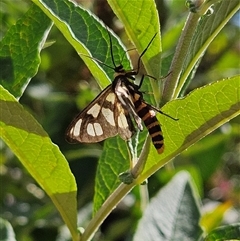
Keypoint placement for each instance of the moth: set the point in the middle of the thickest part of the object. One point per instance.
(118, 109)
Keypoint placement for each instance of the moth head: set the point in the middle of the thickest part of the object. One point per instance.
(119, 69)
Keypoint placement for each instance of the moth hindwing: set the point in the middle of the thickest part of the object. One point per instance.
(104, 117)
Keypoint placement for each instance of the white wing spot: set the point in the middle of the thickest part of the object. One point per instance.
(90, 130)
(77, 127)
(122, 121)
(111, 98)
(108, 114)
(94, 110)
(98, 129)
(94, 129)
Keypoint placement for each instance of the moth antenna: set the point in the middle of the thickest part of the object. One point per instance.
(111, 47)
(119, 67)
(144, 51)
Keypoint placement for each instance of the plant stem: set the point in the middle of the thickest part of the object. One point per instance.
(105, 210)
(182, 48)
(116, 196)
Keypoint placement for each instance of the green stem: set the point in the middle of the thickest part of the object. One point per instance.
(182, 48)
(139, 166)
(105, 210)
(116, 196)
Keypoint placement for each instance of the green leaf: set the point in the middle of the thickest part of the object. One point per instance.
(207, 29)
(228, 232)
(199, 113)
(87, 34)
(6, 231)
(141, 21)
(113, 161)
(168, 214)
(20, 48)
(43, 159)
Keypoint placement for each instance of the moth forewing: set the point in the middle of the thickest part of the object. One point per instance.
(87, 126)
(122, 88)
(104, 117)
(125, 127)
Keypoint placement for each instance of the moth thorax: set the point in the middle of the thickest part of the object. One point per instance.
(122, 91)
(122, 73)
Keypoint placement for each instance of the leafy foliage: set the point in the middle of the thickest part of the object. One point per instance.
(176, 205)
(200, 112)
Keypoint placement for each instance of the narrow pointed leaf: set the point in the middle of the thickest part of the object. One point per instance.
(199, 113)
(141, 21)
(87, 34)
(42, 159)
